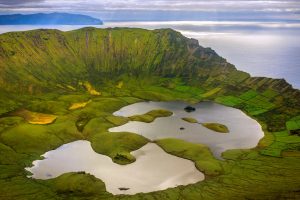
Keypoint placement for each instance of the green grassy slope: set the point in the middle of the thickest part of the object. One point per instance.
(46, 71)
(45, 58)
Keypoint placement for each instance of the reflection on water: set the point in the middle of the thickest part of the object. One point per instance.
(153, 169)
(244, 131)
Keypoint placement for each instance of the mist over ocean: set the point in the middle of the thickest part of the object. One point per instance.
(261, 48)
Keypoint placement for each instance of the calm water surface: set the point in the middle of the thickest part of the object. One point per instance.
(153, 169)
(245, 132)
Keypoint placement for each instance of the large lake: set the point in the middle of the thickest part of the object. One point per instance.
(261, 48)
(153, 169)
(245, 132)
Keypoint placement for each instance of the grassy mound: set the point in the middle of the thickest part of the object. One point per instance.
(151, 115)
(221, 128)
(198, 153)
(212, 126)
(118, 145)
(190, 120)
(78, 184)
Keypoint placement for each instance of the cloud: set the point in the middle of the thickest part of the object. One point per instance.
(162, 5)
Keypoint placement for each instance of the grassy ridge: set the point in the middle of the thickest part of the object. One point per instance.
(53, 58)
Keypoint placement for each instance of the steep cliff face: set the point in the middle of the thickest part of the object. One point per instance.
(39, 60)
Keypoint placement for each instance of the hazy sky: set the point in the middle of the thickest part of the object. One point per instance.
(290, 8)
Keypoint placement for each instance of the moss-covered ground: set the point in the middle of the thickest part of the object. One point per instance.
(269, 171)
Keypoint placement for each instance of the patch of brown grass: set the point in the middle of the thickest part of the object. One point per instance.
(79, 105)
(34, 117)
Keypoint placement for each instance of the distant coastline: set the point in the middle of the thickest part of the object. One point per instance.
(49, 19)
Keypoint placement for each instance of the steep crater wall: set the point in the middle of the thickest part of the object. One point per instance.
(41, 61)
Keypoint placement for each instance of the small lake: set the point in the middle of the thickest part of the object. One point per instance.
(153, 169)
(245, 132)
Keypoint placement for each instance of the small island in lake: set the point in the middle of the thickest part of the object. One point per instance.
(216, 127)
(151, 115)
(189, 109)
(190, 119)
(221, 128)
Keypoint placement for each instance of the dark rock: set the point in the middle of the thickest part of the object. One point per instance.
(182, 128)
(295, 132)
(123, 188)
(189, 109)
